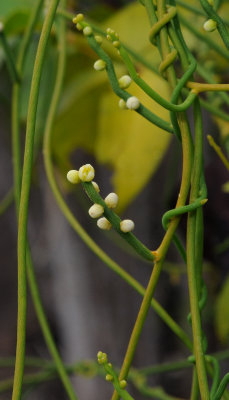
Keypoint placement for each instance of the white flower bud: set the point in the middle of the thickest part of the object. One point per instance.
(96, 211)
(86, 173)
(98, 39)
(78, 18)
(210, 25)
(122, 104)
(133, 103)
(124, 81)
(104, 224)
(127, 225)
(99, 65)
(109, 38)
(96, 186)
(73, 176)
(87, 31)
(111, 200)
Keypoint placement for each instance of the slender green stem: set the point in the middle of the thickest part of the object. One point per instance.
(6, 201)
(211, 13)
(204, 37)
(24, 200)
(191, 261)
(17, 174)
(96, 249)
(161, 252)
(9, 57)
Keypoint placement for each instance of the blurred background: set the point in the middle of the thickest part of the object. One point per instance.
(89, 308)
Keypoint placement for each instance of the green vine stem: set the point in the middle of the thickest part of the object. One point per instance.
(9, 56)
(96, 249)
(204, 38)
(24, 200)
(205, 104)
(211, 13)
(191, 261)
(161, 252)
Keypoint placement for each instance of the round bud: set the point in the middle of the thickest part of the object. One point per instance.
(96, 211)
(109, 378)
(210, 25)
(111, 200)
(109, 38)
(100, 65)
(99, 354)
(96, 186)
(87, 31)
(122, 384)
(78, 18)
(124, 81)
(116, 44)
(104, 224)
(86, 173)
(98, 39)
(133, 103)
(73, 176)
(122, 104)
(79, 26)
(127, 225)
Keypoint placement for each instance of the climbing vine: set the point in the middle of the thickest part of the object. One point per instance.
(186, 98)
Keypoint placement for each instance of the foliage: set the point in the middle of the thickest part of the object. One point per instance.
(65, 105)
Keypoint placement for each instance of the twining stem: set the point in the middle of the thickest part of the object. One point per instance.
(6, 201)
(191, 259)
(208, 87)
(24, 201)
(161, 252)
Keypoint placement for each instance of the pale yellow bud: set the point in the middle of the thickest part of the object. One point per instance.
(122, 384)
(127, 225)
(124, 81)
(96, 211)
(73, 176)
(111, 200)
(100, 65)
(210, 25)
(86, 173)
(78, 18)
(87, 31)
(104, 224)
(133, 103)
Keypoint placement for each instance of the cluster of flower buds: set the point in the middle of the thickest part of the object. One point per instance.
(110, 376)
(86, 173)
(113, 37)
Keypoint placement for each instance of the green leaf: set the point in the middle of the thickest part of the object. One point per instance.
(131, 145)
(222, 313)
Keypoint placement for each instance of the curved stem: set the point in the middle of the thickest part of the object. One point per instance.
(24, 200)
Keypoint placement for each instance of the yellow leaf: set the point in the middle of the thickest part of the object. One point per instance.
(131, 145)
